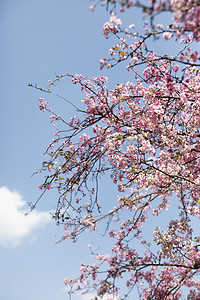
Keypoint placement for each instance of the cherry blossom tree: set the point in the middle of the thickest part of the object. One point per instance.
(145, 135)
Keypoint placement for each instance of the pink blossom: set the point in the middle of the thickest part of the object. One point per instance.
(102, 63)
(176, 68)
(159, 26)
(92, 7)
(167, 35)
(195, 56)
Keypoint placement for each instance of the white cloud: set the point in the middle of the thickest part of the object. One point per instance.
(14, 225)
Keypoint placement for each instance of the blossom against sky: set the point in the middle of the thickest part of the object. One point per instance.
(38, 40)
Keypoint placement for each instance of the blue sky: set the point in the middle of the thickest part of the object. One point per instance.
(38, 39)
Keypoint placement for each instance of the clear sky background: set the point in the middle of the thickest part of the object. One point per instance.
(38, 39)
